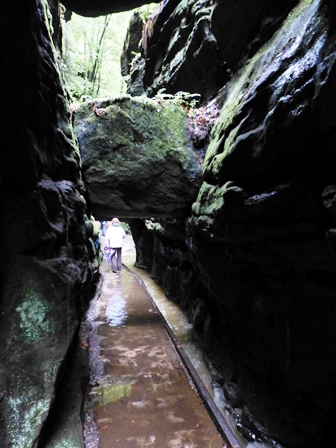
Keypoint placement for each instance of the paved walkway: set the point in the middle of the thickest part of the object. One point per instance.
(141, 394)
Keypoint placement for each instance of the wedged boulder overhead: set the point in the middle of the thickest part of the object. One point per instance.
(137, 157)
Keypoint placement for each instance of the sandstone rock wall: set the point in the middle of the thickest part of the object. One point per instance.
(48, 263)
(196, 46)
(253, 263)
(260, 237)
(138, 159)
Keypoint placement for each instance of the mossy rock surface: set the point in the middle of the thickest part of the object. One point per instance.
(137, 157)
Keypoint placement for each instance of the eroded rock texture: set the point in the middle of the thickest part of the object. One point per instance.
(48, 262)
(137, 157)
(252, 260)
(196, 46)
(261, 235)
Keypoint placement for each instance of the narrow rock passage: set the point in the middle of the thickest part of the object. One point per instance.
(141, 394)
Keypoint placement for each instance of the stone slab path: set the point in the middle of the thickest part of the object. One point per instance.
(141, 394)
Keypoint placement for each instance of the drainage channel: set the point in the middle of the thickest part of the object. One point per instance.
(142, 390)
(218, 418)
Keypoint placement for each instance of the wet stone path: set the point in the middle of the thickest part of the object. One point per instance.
(140, 392)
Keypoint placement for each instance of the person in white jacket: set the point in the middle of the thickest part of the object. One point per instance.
(114, 238)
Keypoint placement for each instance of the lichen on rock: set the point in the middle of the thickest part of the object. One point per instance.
(22, 429)
(34, 320)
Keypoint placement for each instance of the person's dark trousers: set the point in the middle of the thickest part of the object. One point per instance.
(116, 260)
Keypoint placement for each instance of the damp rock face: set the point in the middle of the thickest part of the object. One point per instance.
(131, 43)
(252, 260)
(196, 46)
(261, 233)
(137, 157)
(180, 52)
(47, 264)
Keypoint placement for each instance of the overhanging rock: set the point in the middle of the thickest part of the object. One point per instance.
(137, 157)
(94, 8)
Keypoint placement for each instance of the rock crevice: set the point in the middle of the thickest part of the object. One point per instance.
(245, 244)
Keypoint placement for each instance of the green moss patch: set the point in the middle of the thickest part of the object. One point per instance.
(125, 130)
(109, 393)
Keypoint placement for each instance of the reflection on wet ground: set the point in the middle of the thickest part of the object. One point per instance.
(181, 327)
(141, 394)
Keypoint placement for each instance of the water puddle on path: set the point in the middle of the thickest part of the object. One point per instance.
(181, 327)
(140, 392)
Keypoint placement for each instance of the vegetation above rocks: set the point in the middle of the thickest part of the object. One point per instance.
(91, 52)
